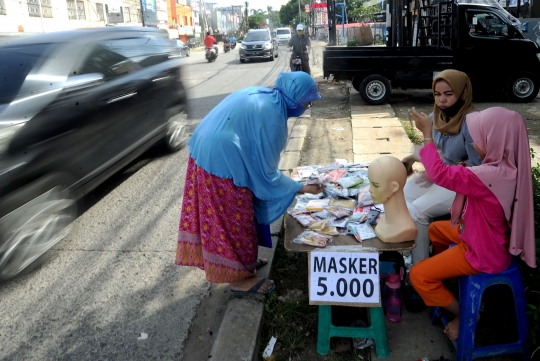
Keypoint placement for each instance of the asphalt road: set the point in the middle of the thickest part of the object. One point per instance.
(110, 289)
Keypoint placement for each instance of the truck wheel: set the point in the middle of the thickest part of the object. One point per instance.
(522, 88)
(375, 89)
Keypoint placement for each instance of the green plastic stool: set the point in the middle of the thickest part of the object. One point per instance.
(376, 331)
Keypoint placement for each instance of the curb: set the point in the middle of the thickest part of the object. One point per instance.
(242, 319)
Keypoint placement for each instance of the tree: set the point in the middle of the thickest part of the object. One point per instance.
(289, 14)
(364, 13)
(355, 11)
(256, 21)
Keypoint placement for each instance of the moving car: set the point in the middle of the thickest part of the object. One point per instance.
(283, 35)
(76, 107)
(181, 48)
(258, 44)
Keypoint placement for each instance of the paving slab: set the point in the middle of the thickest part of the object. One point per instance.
(295, 144)
(381, 146)
(369, 157)
(374, 113)
(379, 133)
(374, 122)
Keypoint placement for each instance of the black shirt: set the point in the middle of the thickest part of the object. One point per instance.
(299, 44)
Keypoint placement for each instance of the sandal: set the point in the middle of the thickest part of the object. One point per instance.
(261, 262)
(255, 289)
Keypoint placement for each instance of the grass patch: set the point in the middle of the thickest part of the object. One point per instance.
(289, 317)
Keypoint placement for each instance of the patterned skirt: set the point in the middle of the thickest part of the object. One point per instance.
(217, 231)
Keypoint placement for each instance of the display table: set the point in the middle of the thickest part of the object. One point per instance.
(326, 330)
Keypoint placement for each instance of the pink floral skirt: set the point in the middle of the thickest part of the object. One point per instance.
(217, 230)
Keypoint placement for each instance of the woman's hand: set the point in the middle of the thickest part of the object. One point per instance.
(312, 188)
(422, 122)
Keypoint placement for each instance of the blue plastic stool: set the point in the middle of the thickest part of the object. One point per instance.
(471, 289)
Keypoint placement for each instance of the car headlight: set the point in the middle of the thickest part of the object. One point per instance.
(6, 134)
(243, 47)
(267, 46)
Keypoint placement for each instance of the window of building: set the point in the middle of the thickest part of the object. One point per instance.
(46, 8)
(72, 11)
(100, 13)
(128, 14)
(2, 8)
(33, 8)
(80, 10)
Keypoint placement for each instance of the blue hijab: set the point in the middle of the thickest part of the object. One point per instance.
(243, 136)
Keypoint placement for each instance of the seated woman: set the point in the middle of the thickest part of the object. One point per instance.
(493, 209)
(452, 91)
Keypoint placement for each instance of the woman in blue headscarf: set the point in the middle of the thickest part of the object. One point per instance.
(233, 182)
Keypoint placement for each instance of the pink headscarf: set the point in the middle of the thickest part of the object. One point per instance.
(506, 170)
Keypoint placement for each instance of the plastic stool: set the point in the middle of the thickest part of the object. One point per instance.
(471, 289)
(376, 331)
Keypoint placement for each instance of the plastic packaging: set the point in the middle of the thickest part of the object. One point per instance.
(393, 297)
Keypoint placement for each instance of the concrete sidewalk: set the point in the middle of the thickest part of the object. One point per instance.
(376, 132)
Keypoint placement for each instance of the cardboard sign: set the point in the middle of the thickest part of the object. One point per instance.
(344, 278)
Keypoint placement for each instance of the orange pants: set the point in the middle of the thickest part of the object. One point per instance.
(428, 274)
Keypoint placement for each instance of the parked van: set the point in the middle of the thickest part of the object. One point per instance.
(283, 35)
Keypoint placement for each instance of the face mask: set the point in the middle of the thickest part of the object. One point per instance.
(295, 112)
(454, 109)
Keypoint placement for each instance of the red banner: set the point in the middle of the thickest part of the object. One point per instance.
(318, 6)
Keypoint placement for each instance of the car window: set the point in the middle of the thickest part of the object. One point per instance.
(107, 62)
(282, 32)
(16, 64)
(144, 51)
(486, 24)
(257, 36)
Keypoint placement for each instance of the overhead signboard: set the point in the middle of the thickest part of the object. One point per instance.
(318, 6)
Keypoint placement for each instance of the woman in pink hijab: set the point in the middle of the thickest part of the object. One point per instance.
(492, 214)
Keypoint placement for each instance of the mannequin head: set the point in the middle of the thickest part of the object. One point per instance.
(387, 175)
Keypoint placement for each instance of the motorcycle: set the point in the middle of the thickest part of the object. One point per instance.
(297, 64)
(211, 54)
(233, 44)
(226, 47)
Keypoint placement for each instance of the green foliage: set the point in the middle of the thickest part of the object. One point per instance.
(256, 21)
(289, 14)
(364, 13)
(352, 42)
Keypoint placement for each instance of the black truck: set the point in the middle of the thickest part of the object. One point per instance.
(479, 40)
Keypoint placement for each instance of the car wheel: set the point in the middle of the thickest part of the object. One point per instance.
(522, 88)
(375, 89)
(242, 61)
(177, 130)
(32, 229)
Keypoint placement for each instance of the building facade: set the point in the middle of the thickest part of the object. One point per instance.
(40, 16)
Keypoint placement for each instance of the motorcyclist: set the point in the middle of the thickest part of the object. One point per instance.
(301, 46)
(233, 42)
(226, 41)
(210, 42)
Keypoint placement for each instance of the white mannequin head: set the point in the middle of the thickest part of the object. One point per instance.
(387, 175)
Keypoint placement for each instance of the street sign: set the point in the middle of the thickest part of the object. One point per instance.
(306, 8)
(344, 277)
(318, 6)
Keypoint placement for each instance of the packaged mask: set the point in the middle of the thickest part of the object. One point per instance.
(319, 225)
(343, 203)
(348, 182)
(364, 197)
(339, 212)
(305, 219)
(317, 205)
